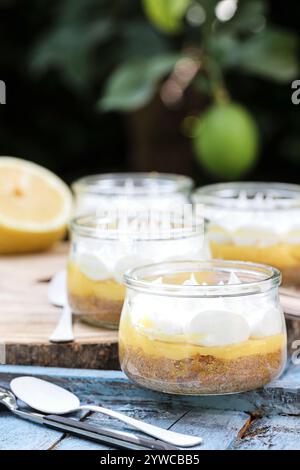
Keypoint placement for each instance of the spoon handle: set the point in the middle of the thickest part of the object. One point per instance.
(112, 437)
(64, 329)
(171, 437)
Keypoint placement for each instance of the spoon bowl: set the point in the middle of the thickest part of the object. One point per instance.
(44, 396)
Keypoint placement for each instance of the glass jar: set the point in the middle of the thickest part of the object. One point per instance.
(202, 327)
(102, 249)
(258, 222)
(130, 190)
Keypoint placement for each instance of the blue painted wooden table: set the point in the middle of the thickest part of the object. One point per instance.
(268, 418)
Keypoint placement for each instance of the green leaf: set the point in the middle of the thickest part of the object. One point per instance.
(70, 48)
(166, 15)
(140, 39)
(250, 16)
(272, 54)
(225, 49)
(134, 84)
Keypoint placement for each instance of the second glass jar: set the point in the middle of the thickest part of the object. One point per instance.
(102, 249)
(130, 191)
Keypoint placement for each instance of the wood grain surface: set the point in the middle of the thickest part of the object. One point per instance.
(27, 319)
(266, 418)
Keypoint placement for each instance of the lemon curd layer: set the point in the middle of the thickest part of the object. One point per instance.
(80, 285)
(179, 348)
(280, 255)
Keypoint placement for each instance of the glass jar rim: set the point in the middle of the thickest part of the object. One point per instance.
(90, 226)
(225, 195)
(135, 278)
(101, 184)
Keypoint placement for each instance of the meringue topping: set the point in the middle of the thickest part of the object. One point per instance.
(212, 321)
(255, 220)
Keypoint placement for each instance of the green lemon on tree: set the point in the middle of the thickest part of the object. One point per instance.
(166, 15)
(226, 140)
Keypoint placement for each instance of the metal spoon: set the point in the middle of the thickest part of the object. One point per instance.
(49, 398)
(57, 295)
(119, 439)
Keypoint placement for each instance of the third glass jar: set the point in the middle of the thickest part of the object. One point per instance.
(258, 222)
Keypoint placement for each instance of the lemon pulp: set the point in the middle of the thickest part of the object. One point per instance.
(35, 206)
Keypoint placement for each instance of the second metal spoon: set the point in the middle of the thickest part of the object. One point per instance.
(57, 295)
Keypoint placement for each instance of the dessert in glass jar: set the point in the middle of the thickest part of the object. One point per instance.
(258, 222)
(202, 327)
(134, 191)
(102, 249)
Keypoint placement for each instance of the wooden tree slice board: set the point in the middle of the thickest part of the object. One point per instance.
(27, 319)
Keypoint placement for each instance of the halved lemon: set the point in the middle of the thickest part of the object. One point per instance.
(35, 206)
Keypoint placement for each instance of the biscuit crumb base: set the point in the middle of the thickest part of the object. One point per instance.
(97, 311)
(201, 375)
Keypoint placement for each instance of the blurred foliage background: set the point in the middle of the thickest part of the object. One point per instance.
(201, 87)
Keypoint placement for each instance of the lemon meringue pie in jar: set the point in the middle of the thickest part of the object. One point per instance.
(103, 248)
(198, 328)
(134, 191)
(258, 222)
